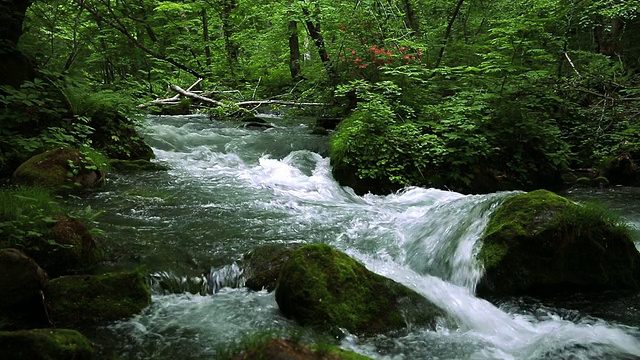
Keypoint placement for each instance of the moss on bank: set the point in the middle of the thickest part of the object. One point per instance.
(327, 289)
(45, 344)
(76, 301)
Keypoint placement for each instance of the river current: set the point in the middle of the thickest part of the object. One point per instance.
(230, 189)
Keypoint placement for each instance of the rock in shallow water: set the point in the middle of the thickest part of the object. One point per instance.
(326, 289)
(541, 244)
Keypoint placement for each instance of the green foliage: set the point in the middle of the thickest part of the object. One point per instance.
(27, 213)
(36, 117)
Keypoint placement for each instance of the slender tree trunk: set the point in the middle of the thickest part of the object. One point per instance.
(318, 40)
(15, 68)
(228, 30)
(294, 51)
(447, 33)
(205, 38)
(410, 14)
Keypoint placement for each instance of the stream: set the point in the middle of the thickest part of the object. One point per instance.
(230, 189)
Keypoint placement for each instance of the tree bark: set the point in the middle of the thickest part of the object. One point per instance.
(318, 40)
(447, 33)
(15, 68)
(294, 51)
(205, 38)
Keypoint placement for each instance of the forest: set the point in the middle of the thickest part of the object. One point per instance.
(472, 96)
(465, 96)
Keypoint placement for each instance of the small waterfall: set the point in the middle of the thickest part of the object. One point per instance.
(231, 276)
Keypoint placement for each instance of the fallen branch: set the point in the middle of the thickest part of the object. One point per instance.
(278, 102)
(191, 94)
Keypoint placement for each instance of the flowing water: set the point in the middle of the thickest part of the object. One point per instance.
(230, 189)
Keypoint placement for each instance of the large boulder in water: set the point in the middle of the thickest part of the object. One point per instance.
(45, 344)
(540, 243)
(59, 168)
(263, 264)
(81, 300)
(326, 289)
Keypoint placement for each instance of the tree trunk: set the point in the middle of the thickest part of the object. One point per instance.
(228, 30)
(447, 33)
(412, 22)
(294, 51)
(15, 68)
(205, 38)
(318, 40)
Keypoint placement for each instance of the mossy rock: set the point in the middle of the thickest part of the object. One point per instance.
(326, 289)
(128, 166)
(263, 264)
(60, 168)
(540, 243)
(80, 300)
(45, 344)
(68, 249)
(583, 182)
(622, 170)
(286, 349)
(21, 279)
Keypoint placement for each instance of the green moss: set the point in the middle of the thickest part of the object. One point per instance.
(58, 168)
(136, 165)
(45, 344)
(583, 182)
(521, 215)
(74, 301)
(266, 346)
(263, 265)
(326, 289)
(540, 243)
(601, 181)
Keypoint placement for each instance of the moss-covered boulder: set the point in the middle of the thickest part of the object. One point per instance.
(622, 170)
(540, 243)
(326, 289)
(21, 283)
(68, 249)
(45, 344)
(128, 166)
(263, 264)
(80, 300)
(21, 279)
(286, 349)
(58, 169)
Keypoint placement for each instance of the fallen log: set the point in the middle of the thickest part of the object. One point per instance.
(197, 96)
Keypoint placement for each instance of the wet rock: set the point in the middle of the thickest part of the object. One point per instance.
(81, 300)
(128, 166)
(68, 249)
(263, 264)
(623, 170)
(21, 279)
(542, 244)
(257, 125)
(45, 344)
(324, 288)
(59, 168)
(319, 130)
(285, 349)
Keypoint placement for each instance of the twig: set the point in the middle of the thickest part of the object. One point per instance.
(571, 63)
